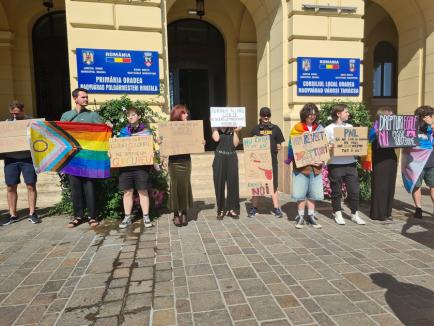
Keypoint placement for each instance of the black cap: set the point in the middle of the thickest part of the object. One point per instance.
(265, 112)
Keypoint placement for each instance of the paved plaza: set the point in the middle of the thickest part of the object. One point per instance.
(260, 271)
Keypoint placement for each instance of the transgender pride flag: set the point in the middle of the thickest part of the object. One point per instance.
(73, 148)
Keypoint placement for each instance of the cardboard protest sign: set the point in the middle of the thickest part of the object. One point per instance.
(131, 151)
(310, 147)
(181, 137)
(13, 136)
(228, 117)
(351, 141)
(397, 131)
(258, 165)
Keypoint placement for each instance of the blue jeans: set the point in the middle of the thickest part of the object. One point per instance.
(307, 186)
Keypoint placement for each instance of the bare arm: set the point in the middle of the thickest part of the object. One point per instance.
(215, 135)
(236, 138)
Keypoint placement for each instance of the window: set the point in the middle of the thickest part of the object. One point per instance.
(384, 70)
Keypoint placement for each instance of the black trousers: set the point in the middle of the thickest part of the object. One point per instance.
(225, 172)
(346, 173)
(83, 195)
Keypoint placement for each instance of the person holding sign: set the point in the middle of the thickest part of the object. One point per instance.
(225, 171)
(343, 169)
(82, 189)
(135, 177)
(264, 128)
(384, 167)
(16, 164)
(307, 183)
(418, 162)
(181, 195)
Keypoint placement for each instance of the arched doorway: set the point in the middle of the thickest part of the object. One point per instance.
(197, 69)
(50, 60)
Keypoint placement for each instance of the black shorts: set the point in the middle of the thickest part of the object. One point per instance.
(13, 169)
(134, 179)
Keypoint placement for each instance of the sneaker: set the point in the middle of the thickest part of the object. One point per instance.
(418, 213)
(147, 221)
(253, 212)
(34, 218)
(277, 212)
(299, 222)
(338, 218)
(311, 219)
(11, 219)
(357, 219)
(128, 220)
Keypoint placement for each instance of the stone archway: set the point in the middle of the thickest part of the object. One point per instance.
(409, 16)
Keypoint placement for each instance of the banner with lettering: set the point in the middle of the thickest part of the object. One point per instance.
(310, 148)
(397, 131)
(258, 165)
(181, 137)
(351, 141)
(228, 117)
(131, 151)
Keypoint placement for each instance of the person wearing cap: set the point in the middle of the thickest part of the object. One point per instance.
(266, 128)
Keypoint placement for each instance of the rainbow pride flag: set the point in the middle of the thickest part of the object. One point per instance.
(73, 148)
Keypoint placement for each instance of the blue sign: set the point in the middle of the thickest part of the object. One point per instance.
(328, 77)
(118, 71)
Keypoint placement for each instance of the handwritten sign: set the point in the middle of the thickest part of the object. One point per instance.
(131, 151)
(310, 148)
(258, 165)
(351, 141)
(181, 137)
(228, 117)
(13, 136)
(397, 131)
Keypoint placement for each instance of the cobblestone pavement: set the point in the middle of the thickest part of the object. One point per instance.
(259, 271)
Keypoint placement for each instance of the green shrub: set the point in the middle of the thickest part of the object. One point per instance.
(359, 117)
(109, 198)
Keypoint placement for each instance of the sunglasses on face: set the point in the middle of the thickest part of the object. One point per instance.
(266, 115)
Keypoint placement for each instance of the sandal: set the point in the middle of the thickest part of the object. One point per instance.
(232, 214)
(92, 222)
(75, 222)
(177, 220)
(184, 221)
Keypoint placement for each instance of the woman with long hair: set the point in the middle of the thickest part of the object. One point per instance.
(181, 196)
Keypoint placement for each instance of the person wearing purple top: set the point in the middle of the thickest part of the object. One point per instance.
(134, 177)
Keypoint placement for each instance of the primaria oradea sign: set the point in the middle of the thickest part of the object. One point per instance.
(328, 76)
(118, 71)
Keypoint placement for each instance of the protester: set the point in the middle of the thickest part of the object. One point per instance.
(225, 172)
(135, 177)
(16, 164)
(418, 162)
(181, 196)
(264, 128)
(307, 183)
(384, 167)
(82, 189)
(342, 169)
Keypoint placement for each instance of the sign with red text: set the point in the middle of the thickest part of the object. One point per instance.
(258, 165)
(397, 131)
(310, 148)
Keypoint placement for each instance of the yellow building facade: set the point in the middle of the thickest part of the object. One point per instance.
(239, 53)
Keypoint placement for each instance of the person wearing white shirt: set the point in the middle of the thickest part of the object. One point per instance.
(342, 169)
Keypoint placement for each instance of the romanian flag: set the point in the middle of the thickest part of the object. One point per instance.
(73, 148)
(117, 60)
(329, 66)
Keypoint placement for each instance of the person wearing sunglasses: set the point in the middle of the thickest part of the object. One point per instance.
(264, 128)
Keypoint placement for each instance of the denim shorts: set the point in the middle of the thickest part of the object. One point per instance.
(426, 175)
(15, 167)
(307, 186)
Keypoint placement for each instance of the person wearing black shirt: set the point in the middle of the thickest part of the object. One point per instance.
(264, 128)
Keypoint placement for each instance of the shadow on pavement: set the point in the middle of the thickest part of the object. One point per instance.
(412, 304)
(23, 214)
